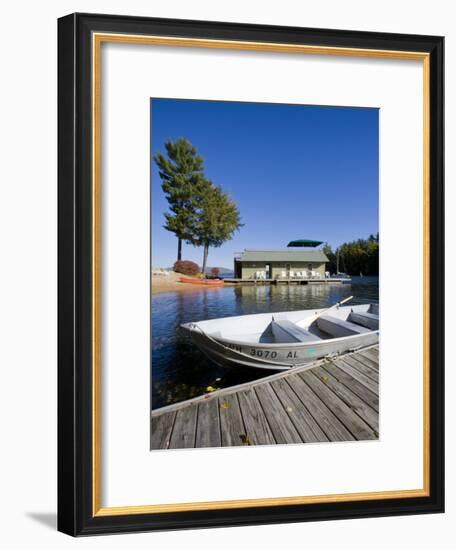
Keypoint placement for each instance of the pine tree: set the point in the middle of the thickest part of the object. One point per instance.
(218, 218)
(181, 172)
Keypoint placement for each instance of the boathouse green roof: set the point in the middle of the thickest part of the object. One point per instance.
(286, 255)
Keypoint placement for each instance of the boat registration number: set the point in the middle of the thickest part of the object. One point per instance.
(270, 354)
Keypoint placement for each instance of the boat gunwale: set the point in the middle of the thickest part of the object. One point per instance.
(289, 344)
(283, 345)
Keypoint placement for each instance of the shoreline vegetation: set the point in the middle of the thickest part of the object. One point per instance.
(355, 257)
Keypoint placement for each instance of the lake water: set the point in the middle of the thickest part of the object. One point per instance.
(180, 371)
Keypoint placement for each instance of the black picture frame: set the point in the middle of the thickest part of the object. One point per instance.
(75, 273)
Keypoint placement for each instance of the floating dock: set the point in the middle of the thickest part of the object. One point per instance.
(321, 281)
(328, 400)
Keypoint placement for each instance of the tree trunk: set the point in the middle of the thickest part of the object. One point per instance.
(206, 251)
(179, 249)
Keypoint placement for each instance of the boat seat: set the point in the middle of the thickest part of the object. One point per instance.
(338, 327)
(368, 320)
(286, 331)
(373, 308)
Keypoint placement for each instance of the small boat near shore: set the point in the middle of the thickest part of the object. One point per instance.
(280, 341)
(206, 282)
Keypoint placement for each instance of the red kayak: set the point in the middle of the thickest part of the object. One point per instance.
(207, 282)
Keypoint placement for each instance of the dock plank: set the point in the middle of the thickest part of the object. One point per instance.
(365, 380)
(257, 427)
(356, 387)
(360, 430)
(161, 428)
(362, 368)
(303, 421)
(184, 430)
(329, 423)
(281, 426)
(370, 360)
(231, 424)
(208, 425)
(372, 352)
(356, 404)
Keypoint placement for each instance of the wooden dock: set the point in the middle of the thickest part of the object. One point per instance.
(329, 400)
(321, 281)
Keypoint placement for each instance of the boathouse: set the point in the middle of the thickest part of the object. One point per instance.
(280, 264)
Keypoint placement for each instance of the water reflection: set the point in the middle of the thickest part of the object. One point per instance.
(180, 371)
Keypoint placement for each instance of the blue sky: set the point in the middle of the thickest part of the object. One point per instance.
(295, 172)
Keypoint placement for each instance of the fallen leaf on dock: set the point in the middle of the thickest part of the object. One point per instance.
(245, 440)
(224, 405)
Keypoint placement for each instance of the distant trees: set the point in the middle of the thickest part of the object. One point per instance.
(202, 214)
(331, 266)
(355, 257)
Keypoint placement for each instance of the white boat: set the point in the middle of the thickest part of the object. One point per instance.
(280, 341)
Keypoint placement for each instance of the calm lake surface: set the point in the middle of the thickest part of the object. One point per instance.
(180, 371)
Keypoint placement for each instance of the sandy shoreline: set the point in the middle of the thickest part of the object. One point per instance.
(166, 283)
(170, 283)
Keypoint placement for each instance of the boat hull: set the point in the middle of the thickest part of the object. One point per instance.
(204, 282)
(271, 356)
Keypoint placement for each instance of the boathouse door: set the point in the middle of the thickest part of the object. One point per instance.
(268, 271)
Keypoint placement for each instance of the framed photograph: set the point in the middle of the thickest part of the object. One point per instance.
(251, 272)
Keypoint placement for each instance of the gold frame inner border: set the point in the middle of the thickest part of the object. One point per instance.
(97, 40)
